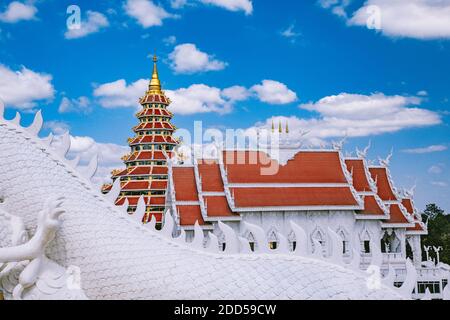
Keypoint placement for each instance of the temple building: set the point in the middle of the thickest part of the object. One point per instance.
(318, 189)
(146, 172)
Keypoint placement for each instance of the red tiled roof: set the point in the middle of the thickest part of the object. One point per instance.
(385, 191)
(158, 185)
(211, 178)
(154, 125)
(132, 200)
(417, 227)
(396, 215)
(154, 112)
(136, 185)
(189, 215)
(218, 207)
(407, 203)
(360, 181)
(283, 197)
(152, 98)
(152, 139)
(371, 207)
(157, 201)
(306, 167)
(160, 171)
(148, 155)
(185, 186)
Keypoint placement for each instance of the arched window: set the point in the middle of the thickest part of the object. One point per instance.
(385, 245)
(390, 243)
(365, 242)
(345, 242)
(273, 240)
(292, 241)
(319, 235)
(252, 242)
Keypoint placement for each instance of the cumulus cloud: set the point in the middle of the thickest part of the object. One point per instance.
(147, 13)
(57, 127)
(232, 5)
(186, 58)
(79, 105)
(429, 149)
(358, 115)
(109, 155)
(94, 22)
(420, 19)
(17, 11)
(236, 93)
(23, 88)
(199, 98)
(118, 94)
(274, 92)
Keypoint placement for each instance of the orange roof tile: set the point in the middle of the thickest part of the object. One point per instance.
(211, 178)
(385, 191)
(306, 167)
(360, 181)
(397, 216)
(189, 215)
(371, 207)
(284, 197)
(218, 207)
(185, 185)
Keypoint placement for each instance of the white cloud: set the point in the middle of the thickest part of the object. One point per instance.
(233, 5)
(441, 184)
(80, 105)
(95, 21)
(199, 98)
(118, 94)
(21, 89)
(186, 58)
(358, 115)
(236, 93)
(274, 92)
(18, 11)
(337, 7)
(57, 127)
(436, 169)
(109, 155)
(170, 41)
(178, 4)
(430, 149)
(147, 13)
(290, 33)
(420, 19)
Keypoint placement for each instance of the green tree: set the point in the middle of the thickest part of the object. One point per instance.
(438, 231)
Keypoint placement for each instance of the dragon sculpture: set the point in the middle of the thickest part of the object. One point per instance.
(55, 226)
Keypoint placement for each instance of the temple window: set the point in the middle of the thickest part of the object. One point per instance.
(273, 245)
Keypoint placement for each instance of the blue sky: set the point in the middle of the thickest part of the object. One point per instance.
(372, 70)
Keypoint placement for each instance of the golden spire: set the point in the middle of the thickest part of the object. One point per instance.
(280, 128)
(155, 85)
(273, 126)
(287, 126)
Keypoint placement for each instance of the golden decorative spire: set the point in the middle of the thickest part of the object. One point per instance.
(287, 126)
(273, 126)
(155, 85)
(280, 128)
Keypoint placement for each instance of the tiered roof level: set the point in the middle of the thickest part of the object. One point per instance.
(146, 172)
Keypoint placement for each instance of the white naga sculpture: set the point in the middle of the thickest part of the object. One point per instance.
(119, 258)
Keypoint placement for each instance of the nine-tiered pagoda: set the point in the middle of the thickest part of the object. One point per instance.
(146, 172)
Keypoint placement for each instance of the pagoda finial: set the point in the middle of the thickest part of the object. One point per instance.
(287, 126)
(155, 84)
(273, 127)
(280, 128)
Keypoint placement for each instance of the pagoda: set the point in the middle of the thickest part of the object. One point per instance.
(146, 172)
